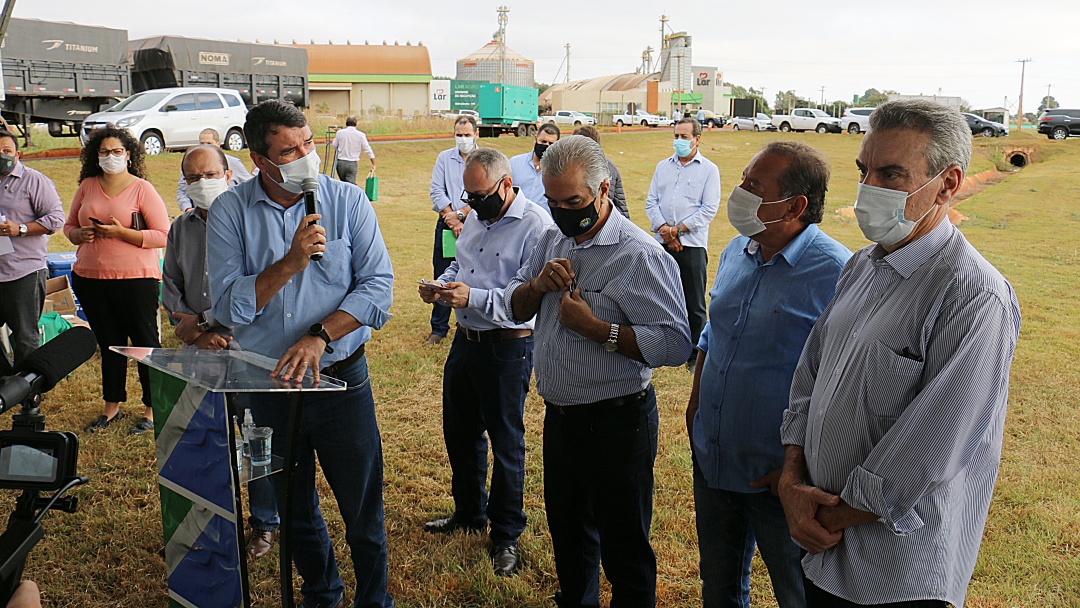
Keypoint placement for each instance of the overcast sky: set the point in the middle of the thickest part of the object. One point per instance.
(960, 48)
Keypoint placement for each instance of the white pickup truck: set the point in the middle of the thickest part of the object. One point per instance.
(568, 117)
(806, 119)
(643, 118)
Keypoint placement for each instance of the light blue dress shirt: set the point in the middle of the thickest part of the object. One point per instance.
(488, 257)
(688, 195)
(447, 181)
(247, 232)
(760, 314)
(528, 178)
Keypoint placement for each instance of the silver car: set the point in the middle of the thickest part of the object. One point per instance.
(761, 122)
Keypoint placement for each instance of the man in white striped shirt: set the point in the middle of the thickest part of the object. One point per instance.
(608, 308)
(897, 408)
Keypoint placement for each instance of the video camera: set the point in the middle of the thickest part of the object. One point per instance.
(32, 459)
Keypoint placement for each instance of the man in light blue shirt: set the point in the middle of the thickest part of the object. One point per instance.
(447, 188)
(774, 280)
(682, 201)
(525, 168)
(486, 376)
(897, 411)
(311, 315)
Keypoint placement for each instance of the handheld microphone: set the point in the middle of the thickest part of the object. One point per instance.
(310, 187)
(46, 366)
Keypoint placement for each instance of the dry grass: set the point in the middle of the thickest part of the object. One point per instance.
(107, 554)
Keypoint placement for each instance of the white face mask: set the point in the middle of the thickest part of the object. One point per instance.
(113, 164)
(464, 144)
(742, 208)
(204, 191)
(880, 213)
(294, 173)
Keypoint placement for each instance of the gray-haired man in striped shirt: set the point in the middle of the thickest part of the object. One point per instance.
(897, 407)
(609, 307)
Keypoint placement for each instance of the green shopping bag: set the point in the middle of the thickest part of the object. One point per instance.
(449, 244)
(371, 187)
(50, 325)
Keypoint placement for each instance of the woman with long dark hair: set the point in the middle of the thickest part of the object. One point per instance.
(117, 220)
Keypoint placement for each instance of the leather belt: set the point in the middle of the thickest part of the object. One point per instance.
(605, 404)
(334, 368)
(493, 335)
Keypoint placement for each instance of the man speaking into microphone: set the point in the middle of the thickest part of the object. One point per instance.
(310, 315)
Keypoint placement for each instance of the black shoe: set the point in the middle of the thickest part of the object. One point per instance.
(505, 559)
(103, 423)
(143, 425)
(451, 524)
(691, 365)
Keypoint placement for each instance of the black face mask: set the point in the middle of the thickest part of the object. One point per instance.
(486, 207)
(539, 149)
(7, 164)
(576, 222)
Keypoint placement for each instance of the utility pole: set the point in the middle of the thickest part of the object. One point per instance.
(663, 45)
(503, 18)
(822, 107)
(567, 62)
(1047, 97)
(1020, 104)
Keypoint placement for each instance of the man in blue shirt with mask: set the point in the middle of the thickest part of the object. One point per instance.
(311, 315)
(774, 280)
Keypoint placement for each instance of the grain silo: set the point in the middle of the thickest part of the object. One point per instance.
(496, 63)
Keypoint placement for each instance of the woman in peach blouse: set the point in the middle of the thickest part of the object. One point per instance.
(116, 275)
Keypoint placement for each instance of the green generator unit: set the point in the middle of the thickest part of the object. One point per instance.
(505, 108)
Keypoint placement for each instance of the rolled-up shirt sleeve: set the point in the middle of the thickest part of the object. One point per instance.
(654, 303)
(232, 291)
(536, 260)
(369, 299)
(439, 198)
(960, 406)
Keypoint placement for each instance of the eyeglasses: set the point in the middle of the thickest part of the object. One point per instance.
(471, 199)
(191, 178)
(115, 152)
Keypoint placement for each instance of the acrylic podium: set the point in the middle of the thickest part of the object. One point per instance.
(198, 476)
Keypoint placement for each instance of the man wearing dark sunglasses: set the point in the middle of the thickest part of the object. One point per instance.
(487, 372)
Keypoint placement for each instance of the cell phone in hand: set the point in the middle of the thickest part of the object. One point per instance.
(435, 286)
(97, 222)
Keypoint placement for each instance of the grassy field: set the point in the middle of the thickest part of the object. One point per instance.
(108, 553)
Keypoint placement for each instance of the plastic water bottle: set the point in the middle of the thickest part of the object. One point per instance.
(246, 431)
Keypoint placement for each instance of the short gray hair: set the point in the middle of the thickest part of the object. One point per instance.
(495, 163)
(950, 135)
(577, 151)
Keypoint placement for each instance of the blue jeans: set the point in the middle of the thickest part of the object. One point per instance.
(728, 525)
(340, 427)
(440, 314)
(484, 388)
(598, 490)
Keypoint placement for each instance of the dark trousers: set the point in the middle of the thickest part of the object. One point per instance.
(693, 263)
(119, 311)
(340, 428)
(20, 308)
(598, 489)
(440, 314)
(484, 388)
(346, 170)
(816, 598)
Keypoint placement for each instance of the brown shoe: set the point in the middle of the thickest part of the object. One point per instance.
(433, 339)
(260, 542)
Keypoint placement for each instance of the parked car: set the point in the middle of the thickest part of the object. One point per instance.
(856, 120)
(643, 118)
(1059, 123)
(164, 119)
(806, 119)
(568, 117)
(710, 119)
(761, 122)
(986, 128)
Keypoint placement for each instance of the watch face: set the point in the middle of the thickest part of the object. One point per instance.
(610, 347)
(315, 329)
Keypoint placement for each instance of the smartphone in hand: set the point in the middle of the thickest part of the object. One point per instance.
(435, 286)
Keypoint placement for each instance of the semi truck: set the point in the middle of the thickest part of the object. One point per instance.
(57, 73)
(257, 71)
(506, 108)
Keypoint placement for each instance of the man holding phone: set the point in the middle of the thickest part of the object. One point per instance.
(495, 241)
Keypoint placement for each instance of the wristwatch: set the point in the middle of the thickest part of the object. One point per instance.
(612, 343)
(681, 231)
(319, 331)
(204, 325)
(460, 216)
(22, 229)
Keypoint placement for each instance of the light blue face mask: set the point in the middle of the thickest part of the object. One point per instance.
(682, 147)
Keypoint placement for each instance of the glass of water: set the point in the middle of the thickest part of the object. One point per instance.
(259, 443)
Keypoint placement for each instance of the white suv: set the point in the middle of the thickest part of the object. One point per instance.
(163, 119)
(856, 120)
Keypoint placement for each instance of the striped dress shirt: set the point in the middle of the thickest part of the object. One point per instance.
(489, 255)
(626, 278)
(899, 402)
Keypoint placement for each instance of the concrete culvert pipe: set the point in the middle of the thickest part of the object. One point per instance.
(1018, 159)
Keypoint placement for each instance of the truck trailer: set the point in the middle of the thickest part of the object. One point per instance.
(257, 71)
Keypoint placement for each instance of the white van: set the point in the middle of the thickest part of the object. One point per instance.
(163, 119)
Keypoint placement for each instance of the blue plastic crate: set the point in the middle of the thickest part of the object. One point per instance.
(60, 263)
